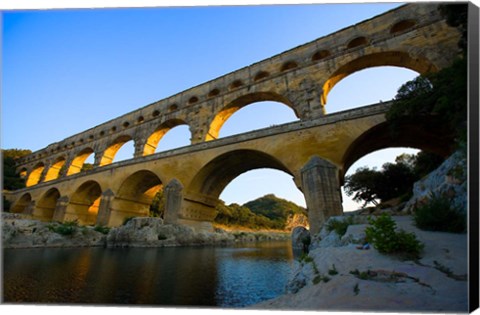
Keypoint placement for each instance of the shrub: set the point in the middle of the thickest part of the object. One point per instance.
(340, 227)
(438, 214)
(66, 228)
(386, 240)
(126, 220)
(102, 229)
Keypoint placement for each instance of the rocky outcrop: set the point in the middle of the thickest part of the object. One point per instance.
(18, 232)
(23, 232)
(337, 275)
(295, 220)
(300, 238)
(449, 179)
(343, 273)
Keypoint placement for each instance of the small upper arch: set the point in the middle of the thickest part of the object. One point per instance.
(357, 42)
(402, 25)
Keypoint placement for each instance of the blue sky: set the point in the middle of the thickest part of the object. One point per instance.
(65, 71)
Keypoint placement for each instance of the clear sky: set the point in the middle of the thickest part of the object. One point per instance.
(65, 71)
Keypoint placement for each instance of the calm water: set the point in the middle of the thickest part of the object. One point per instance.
(191, 276)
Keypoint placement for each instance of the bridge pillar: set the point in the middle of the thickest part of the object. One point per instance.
(104, 208)
(60, 209)
(322, 192)
(30, 208)
(173, 201)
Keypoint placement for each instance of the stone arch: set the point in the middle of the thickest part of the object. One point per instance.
(79, 160)
(391, 58)
(226, 112)
(84, 203)
(35, 175)
(21, 205)
(424, 135)
(219, 172)
(54, 169)
(109, 154)
(155, 137)
(135, 196)
(45, 206)
(202, 193)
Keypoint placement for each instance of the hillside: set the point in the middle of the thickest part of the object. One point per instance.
(267, 212)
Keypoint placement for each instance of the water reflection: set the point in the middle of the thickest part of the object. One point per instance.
(194, 276)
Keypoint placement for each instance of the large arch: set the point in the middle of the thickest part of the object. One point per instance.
(154, 138)
(412, 133)
(35, 175)
(226, 112)
(390, 58)
(219, 172)
(135, 196)
(21, 205)
(79, 160)
(84, 203)
(54, 170)
(45, 206)
(111, 151)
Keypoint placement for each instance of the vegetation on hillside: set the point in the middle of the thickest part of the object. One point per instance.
(12, 180)
(268, 212)
(393, 180)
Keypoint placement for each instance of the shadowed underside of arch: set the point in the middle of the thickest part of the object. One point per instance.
(84, 203)
(219, 172)
(21, 205)
(391, 58)
(222, 116)
(424, 135)
(45, 207)
(135, 196)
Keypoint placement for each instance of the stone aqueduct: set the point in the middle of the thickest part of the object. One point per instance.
(316, 150)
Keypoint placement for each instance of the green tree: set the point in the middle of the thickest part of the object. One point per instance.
(363, 185)
(157, 207)
(12, 180)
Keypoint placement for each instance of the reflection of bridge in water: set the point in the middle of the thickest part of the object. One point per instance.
(316, 151)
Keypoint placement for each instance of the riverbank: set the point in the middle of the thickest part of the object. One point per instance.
(22, 232)
(340, 276)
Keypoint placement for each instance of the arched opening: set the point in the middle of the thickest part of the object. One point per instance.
(83, 161)
(84, 203)
(21, 205)
(35, 175)
(380, 145)
(54, 170)
(394, 59)
(171, 134)
(135, 196)
(45, 206)
(262, 198)
(121, 149)
(424, 135)
(289, 65)
(207, 186)
(262, 110)
(368, 86)
(373, 161)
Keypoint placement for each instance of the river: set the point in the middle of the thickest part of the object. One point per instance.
(234, 276)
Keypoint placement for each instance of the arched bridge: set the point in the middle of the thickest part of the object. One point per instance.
(316, 150)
